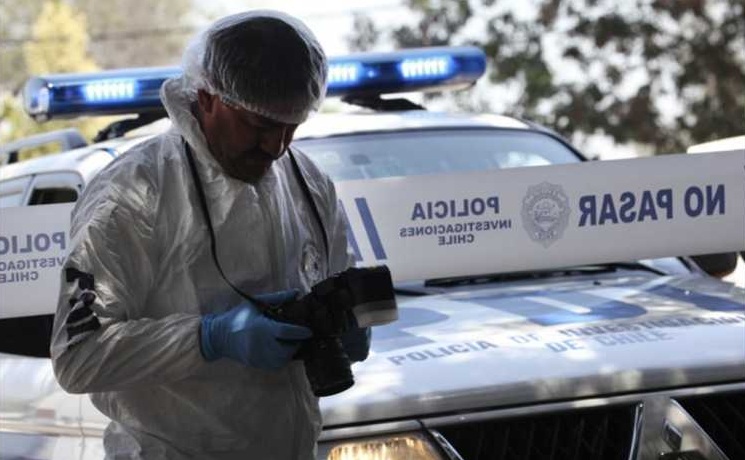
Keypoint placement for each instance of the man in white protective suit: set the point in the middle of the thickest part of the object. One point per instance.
(152, 320)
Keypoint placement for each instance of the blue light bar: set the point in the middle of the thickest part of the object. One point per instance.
(108, 92)
(364, 74)
(419, 69)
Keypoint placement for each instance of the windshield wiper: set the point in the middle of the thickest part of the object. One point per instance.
(639, 266)
(540, 274)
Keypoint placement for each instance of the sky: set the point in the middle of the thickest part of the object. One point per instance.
(330, 21)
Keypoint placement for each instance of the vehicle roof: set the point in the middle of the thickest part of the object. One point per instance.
(334, 124)
(318, 126)
(729, 143)
(67, 161)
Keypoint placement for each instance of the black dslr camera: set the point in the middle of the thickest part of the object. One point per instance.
(356, 297)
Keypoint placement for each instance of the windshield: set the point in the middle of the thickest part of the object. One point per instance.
(419, 152)
(444, 151)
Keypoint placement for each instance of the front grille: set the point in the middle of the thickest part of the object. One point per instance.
(603, 433)
(722, 417)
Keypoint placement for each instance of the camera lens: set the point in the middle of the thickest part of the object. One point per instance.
(327, 366)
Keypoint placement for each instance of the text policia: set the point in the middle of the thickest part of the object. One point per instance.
(30, 253)
(455, 233)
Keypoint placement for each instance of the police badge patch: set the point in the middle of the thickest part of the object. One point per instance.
(311, 264)
(545, 213)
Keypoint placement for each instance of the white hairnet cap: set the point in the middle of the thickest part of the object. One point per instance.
(266, 62)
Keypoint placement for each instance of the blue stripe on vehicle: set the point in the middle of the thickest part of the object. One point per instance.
(535, 311)
(372, 231)
(704, 301)
(393, 336)
(350, 234)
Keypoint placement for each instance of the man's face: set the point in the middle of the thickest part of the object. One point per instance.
(244, 143)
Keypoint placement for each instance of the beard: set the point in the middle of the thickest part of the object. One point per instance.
(248, 166)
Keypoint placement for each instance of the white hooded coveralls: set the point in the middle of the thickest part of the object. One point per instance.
(139, 230)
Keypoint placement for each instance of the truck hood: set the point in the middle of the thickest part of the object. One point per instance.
(488, 348)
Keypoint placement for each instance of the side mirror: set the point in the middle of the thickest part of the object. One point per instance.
(718, 265)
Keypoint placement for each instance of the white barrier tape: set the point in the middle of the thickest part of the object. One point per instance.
(549, 217)
(442, 226)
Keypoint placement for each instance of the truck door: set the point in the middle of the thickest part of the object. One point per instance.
(39, 419)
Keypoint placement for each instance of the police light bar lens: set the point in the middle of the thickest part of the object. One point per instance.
(111, 90)
(344, 74)
(101, 93)
(364, 74)
(416, 69)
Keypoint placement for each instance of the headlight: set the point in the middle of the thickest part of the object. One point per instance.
(403, 446)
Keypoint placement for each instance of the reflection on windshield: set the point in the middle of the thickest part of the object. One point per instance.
(410, 153)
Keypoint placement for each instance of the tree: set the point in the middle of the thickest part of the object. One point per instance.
(16, 19)
(59, 45)
(59, 36)
(365, 35)
(660, 74)
(123, 33)
(137, 33)
(60, 41)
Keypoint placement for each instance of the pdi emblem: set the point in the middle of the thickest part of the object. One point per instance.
(311, 269)
(545, 213)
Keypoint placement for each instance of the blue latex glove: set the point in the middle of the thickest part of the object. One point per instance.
(356, 343)
(247, 336)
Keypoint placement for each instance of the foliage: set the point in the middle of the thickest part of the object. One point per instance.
(365, 34)
(137, 33)
(123, 33)
(60, 42)
(16, 20)
(661, 74)
(57, 36)
(59, 45)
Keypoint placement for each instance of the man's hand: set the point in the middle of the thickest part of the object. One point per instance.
(244, 334)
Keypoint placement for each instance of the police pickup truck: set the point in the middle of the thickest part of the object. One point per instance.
(545, 310)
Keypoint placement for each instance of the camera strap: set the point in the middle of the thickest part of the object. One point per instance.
(213, 240)
(313, 206)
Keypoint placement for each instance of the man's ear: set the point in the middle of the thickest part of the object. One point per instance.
(206, 101)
